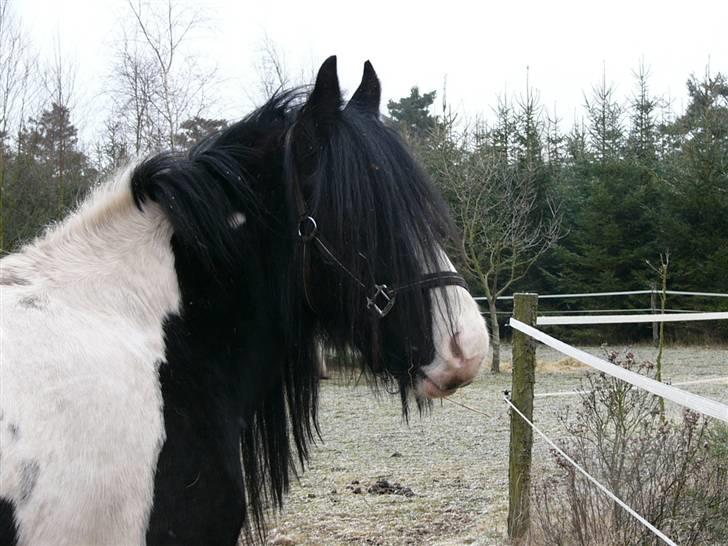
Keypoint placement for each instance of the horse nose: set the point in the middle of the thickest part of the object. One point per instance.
(459, 364)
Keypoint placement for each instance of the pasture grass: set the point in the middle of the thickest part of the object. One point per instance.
(454, 461)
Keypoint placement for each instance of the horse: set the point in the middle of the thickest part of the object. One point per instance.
(160, 372)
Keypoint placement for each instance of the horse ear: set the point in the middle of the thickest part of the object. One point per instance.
(324, 103)
(369, 93)
(318, 115)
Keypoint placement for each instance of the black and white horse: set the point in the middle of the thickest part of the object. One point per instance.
(159, 371)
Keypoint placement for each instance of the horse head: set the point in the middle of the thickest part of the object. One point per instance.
(372, 232)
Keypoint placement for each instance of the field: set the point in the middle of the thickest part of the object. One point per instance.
(445, 474)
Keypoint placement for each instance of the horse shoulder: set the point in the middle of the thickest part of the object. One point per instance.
(82, 421)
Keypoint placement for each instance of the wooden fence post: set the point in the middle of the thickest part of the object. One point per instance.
(525, 307)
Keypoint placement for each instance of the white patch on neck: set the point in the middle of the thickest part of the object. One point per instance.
(79, 372)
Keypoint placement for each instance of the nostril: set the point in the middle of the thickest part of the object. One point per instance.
(455, 348)
(475, 362)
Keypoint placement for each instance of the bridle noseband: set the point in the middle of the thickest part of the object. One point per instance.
(380, 298)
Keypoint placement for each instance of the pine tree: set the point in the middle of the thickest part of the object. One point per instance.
(642, 139)
(576, 143)
(528, 130)
(696, 226)
(555, 142)
(49, 174)
(412, 113)
(605, 128)
(503, 134)
(195, 129)
(53, 140)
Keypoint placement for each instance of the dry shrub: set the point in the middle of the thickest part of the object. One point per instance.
(672, 472)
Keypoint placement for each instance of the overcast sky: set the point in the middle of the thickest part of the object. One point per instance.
(483, 48)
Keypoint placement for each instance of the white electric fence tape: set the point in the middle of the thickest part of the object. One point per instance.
(684, 398)
(702, 294)
(623, 319)
(611, 495)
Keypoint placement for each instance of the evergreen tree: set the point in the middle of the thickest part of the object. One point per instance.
(642, 139)
(605, 128)
(503, 134)
(611, 233)
(696, 228)
(195, 129)
(528, 131)
(528, 137)
(555, 143)
(611, 197)
(412, 113)
(576, 147)
(48, 174)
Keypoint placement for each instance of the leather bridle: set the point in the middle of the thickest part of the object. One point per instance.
(380, 298)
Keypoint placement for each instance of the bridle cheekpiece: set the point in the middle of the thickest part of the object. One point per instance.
(380, 298)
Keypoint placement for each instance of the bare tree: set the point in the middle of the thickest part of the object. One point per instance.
(112, 150)
(273, 71)
(14, 69)
(495, 205)
(156, 84)
(134, 80)
(271, 68)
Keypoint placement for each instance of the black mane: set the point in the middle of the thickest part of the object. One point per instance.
(249, 333)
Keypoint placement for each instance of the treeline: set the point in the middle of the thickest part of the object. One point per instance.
(628, 183)
(594, 206)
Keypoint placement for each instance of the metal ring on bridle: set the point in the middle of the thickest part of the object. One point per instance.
(307, 228)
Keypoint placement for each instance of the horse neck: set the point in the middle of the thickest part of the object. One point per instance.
(109, 256)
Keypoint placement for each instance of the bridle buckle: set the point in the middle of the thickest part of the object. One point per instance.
(382, 301)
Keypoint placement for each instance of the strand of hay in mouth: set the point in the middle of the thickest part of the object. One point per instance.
(563, 365)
